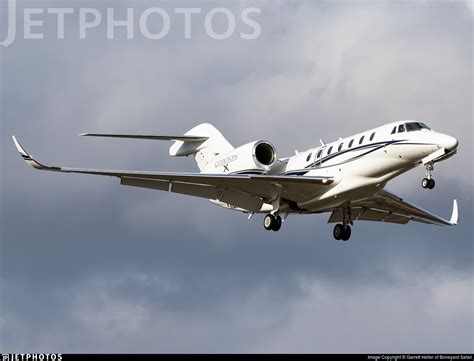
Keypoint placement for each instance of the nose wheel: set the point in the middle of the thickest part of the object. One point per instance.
(272, 223)
(428, 182)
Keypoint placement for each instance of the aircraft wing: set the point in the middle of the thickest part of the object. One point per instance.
(387, 207)
(244, 191)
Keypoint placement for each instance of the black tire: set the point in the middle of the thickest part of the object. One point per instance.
(346, 234)
(431, 184)
(425, 183)
(269, 222)
(338, 231)
(277, 225)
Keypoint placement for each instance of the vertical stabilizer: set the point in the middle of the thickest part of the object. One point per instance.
(204, 152)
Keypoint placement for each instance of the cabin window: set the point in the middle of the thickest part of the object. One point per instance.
(351, 142)
(329, 150)
(401, 128)
(361, 140)
(340, 147)
(309, 157)
(394, 130)
(372, 136)
(319, 153)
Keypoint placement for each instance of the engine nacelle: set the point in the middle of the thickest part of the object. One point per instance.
(254, 157)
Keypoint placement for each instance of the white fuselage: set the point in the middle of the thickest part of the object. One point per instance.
(363, 163)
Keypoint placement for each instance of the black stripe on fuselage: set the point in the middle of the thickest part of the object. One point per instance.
(375, 146)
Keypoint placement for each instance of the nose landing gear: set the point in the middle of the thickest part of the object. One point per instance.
(428, 182)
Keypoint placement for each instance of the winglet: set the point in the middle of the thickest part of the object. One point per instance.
(28, 159)
(455, 214)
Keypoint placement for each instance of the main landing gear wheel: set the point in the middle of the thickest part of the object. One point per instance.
(346, 234)
(269, 221)
(342, 233)
(272, 223)
(428, 183)
(277, 225)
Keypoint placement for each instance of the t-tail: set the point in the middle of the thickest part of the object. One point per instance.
(205, 151)
(204, 142)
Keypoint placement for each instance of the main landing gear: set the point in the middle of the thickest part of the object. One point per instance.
(428, 182)
(272, 222)
(343, 231)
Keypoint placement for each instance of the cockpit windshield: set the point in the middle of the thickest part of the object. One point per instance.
(415, 126)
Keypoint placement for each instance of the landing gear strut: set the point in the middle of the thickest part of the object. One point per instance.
(272, 222)
(428, 182)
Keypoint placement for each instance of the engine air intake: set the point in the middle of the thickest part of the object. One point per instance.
(265, 153)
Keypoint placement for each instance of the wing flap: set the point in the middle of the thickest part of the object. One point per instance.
(397, 218)
(374, 215)
(145, 183)
(229, 196)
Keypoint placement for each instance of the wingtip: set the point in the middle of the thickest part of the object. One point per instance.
(28, 158)
(455, 215)
(20, 149)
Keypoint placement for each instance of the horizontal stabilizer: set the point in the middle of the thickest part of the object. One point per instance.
(183, 138)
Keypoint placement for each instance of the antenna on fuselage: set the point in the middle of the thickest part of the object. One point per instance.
(322, 142)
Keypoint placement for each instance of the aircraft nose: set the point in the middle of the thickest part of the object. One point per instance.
(450, 143)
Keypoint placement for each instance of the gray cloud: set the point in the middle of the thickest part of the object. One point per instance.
(112, 268)
(129, 311)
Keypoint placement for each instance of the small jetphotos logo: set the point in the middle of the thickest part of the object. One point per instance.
(152, 23)
(32, 357)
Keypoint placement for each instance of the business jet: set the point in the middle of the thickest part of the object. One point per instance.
(345, 178)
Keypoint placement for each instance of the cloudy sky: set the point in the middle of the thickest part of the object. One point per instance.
(90, 266)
